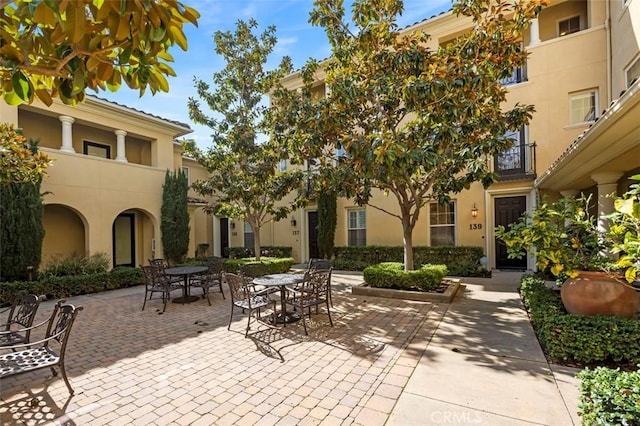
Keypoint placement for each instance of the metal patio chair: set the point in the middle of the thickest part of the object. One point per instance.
(313, 291)
(155, 281)
(211, 278)
(245, 297)
(17, 328)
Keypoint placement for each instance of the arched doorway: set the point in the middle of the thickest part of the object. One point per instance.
(65, 233)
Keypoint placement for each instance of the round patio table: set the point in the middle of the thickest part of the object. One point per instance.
(185, 272)
(281, 280)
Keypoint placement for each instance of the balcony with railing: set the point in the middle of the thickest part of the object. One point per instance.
(516, 163)
(518, 75)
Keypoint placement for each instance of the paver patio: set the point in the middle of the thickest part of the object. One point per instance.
(386, 361)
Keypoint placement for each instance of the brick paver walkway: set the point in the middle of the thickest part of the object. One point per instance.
(183, 367)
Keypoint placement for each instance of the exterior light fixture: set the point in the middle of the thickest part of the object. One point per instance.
(474, 211)
(293, 222)
(232, 225)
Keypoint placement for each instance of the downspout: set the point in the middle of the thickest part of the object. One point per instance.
(607, 30)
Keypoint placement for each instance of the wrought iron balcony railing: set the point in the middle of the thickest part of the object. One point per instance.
(518, 162)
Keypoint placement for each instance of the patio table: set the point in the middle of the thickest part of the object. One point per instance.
(185, 272)
(281, 280)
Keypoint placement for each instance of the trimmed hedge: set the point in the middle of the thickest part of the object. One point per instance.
(460, 260)
(267, 251)
(609, 397)
(61, 287)
(393, 275)
(588, 340)
(269, 265)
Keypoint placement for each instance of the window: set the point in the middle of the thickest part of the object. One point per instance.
(633, 71)
(248, 236)
(569, 26)
(583, 107)
(282, 166)
(96, 149)
(357, 228)
(185, 170)
(512, 158)
(442, 219)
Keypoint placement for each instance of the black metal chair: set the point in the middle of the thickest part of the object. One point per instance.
(208, 279)
(245, 297)
(155, 281)
(322, 264)
(46, 353)
(164, 264)
(17, 328)
(313, 291)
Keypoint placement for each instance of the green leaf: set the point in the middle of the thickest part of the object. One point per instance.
(21, 86)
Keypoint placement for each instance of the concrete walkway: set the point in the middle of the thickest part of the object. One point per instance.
(384, 361)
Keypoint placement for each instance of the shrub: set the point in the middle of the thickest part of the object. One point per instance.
(269, 265)
(578, 339)
(77, 265)
(460, 260)
(609, 397)
(67, 286)
(268, 251)
(393, 275)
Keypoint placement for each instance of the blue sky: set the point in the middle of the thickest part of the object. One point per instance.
(296, 38)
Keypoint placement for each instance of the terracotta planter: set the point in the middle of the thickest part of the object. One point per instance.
(597, 293)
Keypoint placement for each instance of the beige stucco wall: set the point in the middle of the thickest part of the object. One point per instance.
(625, 41)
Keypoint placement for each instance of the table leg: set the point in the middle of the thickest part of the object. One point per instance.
(285, 317)
(186, 298)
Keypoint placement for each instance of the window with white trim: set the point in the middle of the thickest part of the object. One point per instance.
(248, 236)
(583, 106)
(357, 227)
(442, 222)
(185, 170)
(569, 26)
(633, 71)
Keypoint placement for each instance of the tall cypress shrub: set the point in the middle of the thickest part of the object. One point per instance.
(327, 220)
(21, 230)
(174, 213)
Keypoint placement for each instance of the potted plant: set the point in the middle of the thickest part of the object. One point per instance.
(564, 238)
(624, 232)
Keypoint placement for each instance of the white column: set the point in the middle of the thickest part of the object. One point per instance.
(607, 185)
(120, 155)
(534, 32)
(67, 135)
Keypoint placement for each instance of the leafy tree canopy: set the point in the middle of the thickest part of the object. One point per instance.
(20, 161)
(415, 120)
(59, 48)
(245, 181)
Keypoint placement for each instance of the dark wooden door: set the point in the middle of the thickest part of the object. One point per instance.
(312, 222)
(224, 236)
(124, 243)
(508, 210)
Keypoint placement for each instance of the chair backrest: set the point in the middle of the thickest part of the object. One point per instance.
(60, 324)
(154, 276)
(162, 263)
(23, 311)
(319, 264)
(317, 282)
(239, 288)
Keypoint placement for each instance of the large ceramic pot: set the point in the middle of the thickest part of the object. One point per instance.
(597, 293)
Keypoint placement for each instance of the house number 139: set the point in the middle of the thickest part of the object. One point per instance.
(475, 226)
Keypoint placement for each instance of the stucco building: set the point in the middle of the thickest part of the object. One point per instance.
(105, 188)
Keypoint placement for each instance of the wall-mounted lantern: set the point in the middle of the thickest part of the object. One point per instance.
(232, 225)
(474, 211)
(293, 222)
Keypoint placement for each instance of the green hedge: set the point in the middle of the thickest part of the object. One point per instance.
(268, 265)
(393, 275)
(61, 287)
(267, 251)
(460, 260)
(609, 397)
(589, 340)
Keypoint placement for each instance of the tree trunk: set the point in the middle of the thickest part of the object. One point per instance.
(256, 240)
(407, 240)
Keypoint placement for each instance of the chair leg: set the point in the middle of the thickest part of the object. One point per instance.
(230, 318)
(206, 293)
(221, 292)
(165, 298)
(329, 314)
(246, 333)
(304, 321)
(145, 299)
(66, 380)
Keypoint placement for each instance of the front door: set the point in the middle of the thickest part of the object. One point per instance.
(508, 210)
(124, 240)
(224, 236)
(312, 222)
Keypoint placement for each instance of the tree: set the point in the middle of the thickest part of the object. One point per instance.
(60, 48)
(415, 122)
(20, 161)
(21, 230)
(245, 181)
(174, 216)
(327, 220)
